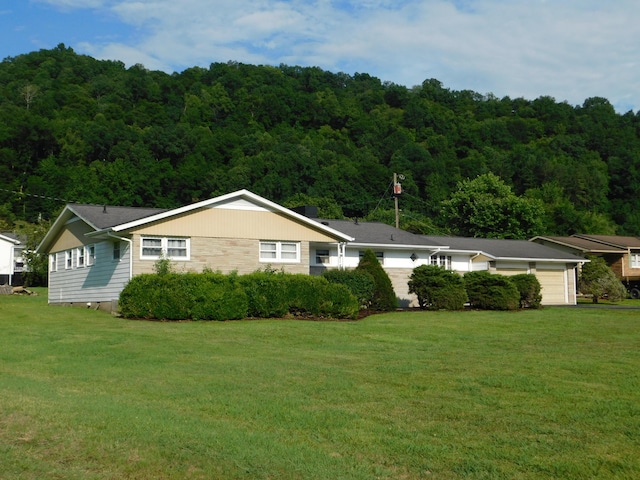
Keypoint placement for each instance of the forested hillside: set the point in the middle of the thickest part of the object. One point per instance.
(73, 128)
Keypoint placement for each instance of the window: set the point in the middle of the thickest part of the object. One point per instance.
(91, 255)
(322, 256)
(68, 259)
(635, 260)
(279, 252)
(153, 248)
(53, 262)
(80, 256)
(176, 248)
(116, 250)
(441, 260)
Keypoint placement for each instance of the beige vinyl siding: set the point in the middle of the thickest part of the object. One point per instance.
(72, 236)
(225, 255)
(227, 223)
(101, 282)
(511, 271)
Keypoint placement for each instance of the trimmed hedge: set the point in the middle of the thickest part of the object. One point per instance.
(529, 288)
(179, 296)
(359, 282)
(278, 294)
(491, 291)
(214, 296)
(437, 288)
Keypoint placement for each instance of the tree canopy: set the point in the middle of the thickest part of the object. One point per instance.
(73, 128)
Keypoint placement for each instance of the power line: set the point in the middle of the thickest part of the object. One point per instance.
(44, 197)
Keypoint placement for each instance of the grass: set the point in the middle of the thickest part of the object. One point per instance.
(542, 394)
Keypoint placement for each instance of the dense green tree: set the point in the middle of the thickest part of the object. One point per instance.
(73, 127)
(486, 207)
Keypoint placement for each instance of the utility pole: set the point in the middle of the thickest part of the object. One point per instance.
(397, 191)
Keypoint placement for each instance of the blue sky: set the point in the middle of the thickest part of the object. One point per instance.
(568, 49)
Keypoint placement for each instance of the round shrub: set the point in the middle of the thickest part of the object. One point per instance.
(437, 288)
(529, 288)
(491, 291)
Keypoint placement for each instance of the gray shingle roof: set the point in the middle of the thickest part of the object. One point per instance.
(501, 248)
(377, 233)
(107, 216)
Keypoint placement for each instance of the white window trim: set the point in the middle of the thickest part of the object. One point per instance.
(278, 252)
(90, 258)
(634, 260)
(53, 262)
(81, 257)
(164, 248)
(68, 259)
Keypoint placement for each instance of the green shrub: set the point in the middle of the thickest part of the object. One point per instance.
(360, 283)
(384, 298)
(175, 296)
(491, 291)
(316, 297)
(598, 280)
(138, 296)
(437, 288)
(266, 294)
(529, 288)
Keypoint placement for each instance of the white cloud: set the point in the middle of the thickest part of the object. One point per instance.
(571, 49)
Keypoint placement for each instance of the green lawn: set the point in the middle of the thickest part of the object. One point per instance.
(528, 395)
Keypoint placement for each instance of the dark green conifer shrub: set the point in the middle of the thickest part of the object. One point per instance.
(384, 298)
(529, 288)
(437, 288)
(489, 291)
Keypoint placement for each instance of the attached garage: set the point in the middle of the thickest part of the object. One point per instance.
(554, 286)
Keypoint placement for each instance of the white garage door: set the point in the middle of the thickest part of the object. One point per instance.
(554, 286)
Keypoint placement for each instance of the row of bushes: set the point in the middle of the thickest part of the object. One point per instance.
(214, 296)
(438, 289)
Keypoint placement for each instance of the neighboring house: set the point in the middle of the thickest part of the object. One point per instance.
(95, 250)
(11, 261)
(621, 253)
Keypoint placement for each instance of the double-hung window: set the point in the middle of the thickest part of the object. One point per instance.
(68, 259)
(275, 251)
(442, 261)
(634, 259)
(80, 255)
(153, 248)
(53, 262)
(91, 255)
